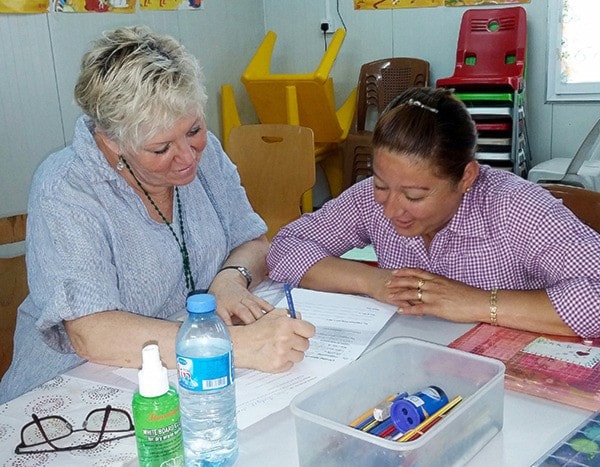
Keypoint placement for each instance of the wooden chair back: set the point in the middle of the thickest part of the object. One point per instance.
(585, 204)
(13, 285)
(276, 163)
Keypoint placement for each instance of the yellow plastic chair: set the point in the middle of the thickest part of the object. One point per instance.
(276, 167)
(300, 99)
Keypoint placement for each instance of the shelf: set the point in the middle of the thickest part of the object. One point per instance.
(493, 156)
(491, 111)
(487, 141)
(494, 126)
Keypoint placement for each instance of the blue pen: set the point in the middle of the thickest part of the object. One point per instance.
(290, 302)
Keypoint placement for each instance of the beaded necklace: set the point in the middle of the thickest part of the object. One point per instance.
(189, 278)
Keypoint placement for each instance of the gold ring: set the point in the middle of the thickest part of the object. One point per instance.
(419, 295)
(420, 284)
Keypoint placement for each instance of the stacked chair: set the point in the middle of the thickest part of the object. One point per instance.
(378, 83)
(489, 76)
(305, 99)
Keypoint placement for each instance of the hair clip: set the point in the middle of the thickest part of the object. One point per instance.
(417, 103)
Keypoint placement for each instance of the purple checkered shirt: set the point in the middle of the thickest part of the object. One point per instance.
(508, 233)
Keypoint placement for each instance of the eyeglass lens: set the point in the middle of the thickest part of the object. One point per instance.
(54, 427)
(117, 421)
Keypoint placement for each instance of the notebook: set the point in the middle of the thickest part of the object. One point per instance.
(562, 369)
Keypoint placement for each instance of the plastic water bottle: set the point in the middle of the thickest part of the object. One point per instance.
(206, 386)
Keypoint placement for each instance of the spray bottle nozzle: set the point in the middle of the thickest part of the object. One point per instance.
(153, 377)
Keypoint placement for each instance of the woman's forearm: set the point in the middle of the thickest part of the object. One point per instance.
(116, 338)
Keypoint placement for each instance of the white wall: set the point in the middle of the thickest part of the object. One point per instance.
(555, 130)
(39, 62)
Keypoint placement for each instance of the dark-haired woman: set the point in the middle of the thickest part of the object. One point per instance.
(453, 238)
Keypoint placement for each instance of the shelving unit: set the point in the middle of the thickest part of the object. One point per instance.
(501, 128)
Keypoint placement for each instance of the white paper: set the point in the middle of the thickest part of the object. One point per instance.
(346, 324)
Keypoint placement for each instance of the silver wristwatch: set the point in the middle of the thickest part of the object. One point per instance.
(243, 271)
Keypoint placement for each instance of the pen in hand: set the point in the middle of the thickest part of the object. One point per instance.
(290, 302)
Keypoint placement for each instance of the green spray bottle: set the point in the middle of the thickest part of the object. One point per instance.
(156, 414)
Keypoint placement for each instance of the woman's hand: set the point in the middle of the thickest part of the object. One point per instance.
(417, 292)
(237, 305)
(272, 344)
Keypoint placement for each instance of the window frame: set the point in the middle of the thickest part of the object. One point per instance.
(556, 91)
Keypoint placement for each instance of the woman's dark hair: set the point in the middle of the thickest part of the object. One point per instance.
(430, 125)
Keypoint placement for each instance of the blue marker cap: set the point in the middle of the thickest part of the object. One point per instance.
(201, 303)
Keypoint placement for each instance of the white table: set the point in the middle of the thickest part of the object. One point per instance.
(531, 425)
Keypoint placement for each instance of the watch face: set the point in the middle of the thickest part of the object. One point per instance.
(246, 273)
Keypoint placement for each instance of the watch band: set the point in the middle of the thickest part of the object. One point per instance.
(242, 270)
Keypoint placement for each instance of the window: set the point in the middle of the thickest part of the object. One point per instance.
(573, 50)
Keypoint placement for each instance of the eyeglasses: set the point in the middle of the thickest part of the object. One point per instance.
(54, 433)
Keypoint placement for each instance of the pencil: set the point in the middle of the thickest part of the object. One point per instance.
(369, 426)
(382, 427)
(429, 421)
(290, 302)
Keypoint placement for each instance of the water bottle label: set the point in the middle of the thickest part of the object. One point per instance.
(205, 373)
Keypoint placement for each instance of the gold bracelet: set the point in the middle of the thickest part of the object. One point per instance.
(493, 307)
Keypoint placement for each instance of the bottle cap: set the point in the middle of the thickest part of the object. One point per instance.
(201, 303)
(153, 377)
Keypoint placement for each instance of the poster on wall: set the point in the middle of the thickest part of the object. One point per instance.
(170, 4)
(387, 4)
(482, 2)
(24, 6)
(94, 6)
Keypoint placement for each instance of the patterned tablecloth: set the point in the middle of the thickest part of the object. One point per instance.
(73, 399)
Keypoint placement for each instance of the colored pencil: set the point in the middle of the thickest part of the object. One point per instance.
(430, 421)
(369, 413)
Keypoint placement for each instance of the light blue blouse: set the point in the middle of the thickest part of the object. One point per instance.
(91, 246)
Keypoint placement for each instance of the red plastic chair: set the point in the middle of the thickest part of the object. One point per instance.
(491, 49)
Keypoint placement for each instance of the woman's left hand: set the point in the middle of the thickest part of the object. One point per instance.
(236, 304)
(418, 292)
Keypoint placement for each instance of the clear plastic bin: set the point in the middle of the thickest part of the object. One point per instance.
(322, 413)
